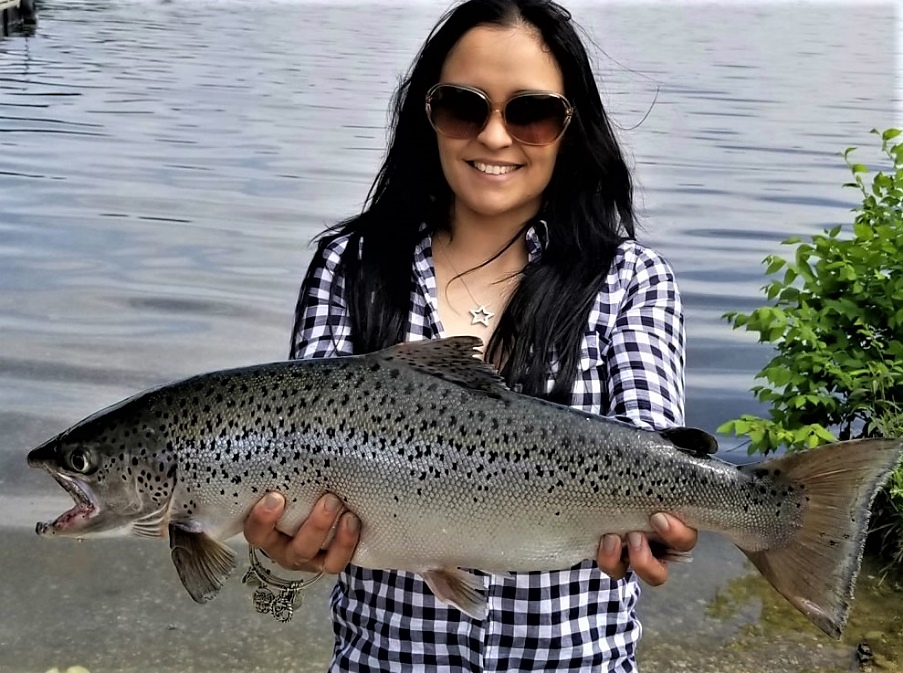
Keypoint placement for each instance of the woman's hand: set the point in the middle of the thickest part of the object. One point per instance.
(675, 536)
(325, 542)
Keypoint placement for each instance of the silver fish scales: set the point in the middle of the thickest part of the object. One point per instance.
(448, 471)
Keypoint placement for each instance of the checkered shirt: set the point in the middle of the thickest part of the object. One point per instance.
(578, 619)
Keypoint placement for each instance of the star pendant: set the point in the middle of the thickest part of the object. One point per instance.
(480, 315)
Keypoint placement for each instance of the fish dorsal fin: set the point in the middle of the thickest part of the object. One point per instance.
(452, 359)
(692, 441)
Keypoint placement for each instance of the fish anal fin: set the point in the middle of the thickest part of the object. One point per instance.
(663, 552)
(453, 359)
(815, 568)
(691, 441)
(460, 588)
(202, 562)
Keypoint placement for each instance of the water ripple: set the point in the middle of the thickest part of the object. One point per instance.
(161, 188)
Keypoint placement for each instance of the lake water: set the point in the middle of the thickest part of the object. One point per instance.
(164, 166)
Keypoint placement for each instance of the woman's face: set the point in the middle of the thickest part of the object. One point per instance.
(501, 62)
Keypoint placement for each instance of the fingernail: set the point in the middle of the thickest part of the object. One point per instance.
(611, 543)
(272, 502)
(332, 504)
(635, 540)
(660, 523)
(353, 523)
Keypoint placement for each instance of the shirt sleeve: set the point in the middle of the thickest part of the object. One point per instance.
(322, 328)
(646, 351)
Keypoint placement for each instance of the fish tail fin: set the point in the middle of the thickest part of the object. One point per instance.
(817, 570)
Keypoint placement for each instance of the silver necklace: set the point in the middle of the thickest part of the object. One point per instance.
(480, 313)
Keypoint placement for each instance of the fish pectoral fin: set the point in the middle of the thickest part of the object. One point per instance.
(692, 441)
(152, 525)
(202, 562)
(460, 588)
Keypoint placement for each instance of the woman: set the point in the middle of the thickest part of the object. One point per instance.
(502, 165)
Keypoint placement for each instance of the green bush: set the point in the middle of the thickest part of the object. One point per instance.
(887, 520)
(836, 322)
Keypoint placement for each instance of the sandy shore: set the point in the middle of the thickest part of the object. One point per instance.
(116, 606)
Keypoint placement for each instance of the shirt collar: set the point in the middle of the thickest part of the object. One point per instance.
(537, 239)
(537, 236)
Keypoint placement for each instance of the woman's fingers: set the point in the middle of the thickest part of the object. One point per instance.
(313, 534)
(260, 526)
(648, 568)
(323, 541)
(339, 553)
(639, 556)
(673, 533)
(610, 557)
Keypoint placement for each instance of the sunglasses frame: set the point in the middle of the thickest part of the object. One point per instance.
(568, 108)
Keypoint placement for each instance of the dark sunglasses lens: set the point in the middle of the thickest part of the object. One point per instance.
(536, 118)
(458, 113)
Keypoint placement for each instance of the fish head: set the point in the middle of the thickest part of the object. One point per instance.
(119, 474)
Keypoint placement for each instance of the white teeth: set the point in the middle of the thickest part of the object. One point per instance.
(493, 169)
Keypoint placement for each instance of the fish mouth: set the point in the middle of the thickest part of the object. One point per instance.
(76, 518)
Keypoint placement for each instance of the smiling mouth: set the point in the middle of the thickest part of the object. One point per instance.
(81, 513)
(494, 169)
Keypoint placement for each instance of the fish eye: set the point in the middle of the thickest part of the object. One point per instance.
(79, 461)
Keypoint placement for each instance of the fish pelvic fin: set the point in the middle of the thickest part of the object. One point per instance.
(202, 562)
(817, 570)
(460, 588)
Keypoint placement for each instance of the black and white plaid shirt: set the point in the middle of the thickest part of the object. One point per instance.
(569, 620)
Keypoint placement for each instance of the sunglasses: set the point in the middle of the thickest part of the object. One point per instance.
(531, 118)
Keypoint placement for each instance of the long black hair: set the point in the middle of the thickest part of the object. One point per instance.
(587, 207)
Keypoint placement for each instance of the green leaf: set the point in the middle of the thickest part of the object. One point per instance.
(862, 230)
(735, 427)
(776, 264)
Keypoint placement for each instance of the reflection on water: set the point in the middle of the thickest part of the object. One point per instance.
(164, 165)
(736, 621)
(875, 619)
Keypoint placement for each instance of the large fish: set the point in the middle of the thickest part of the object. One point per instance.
(448, 470)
